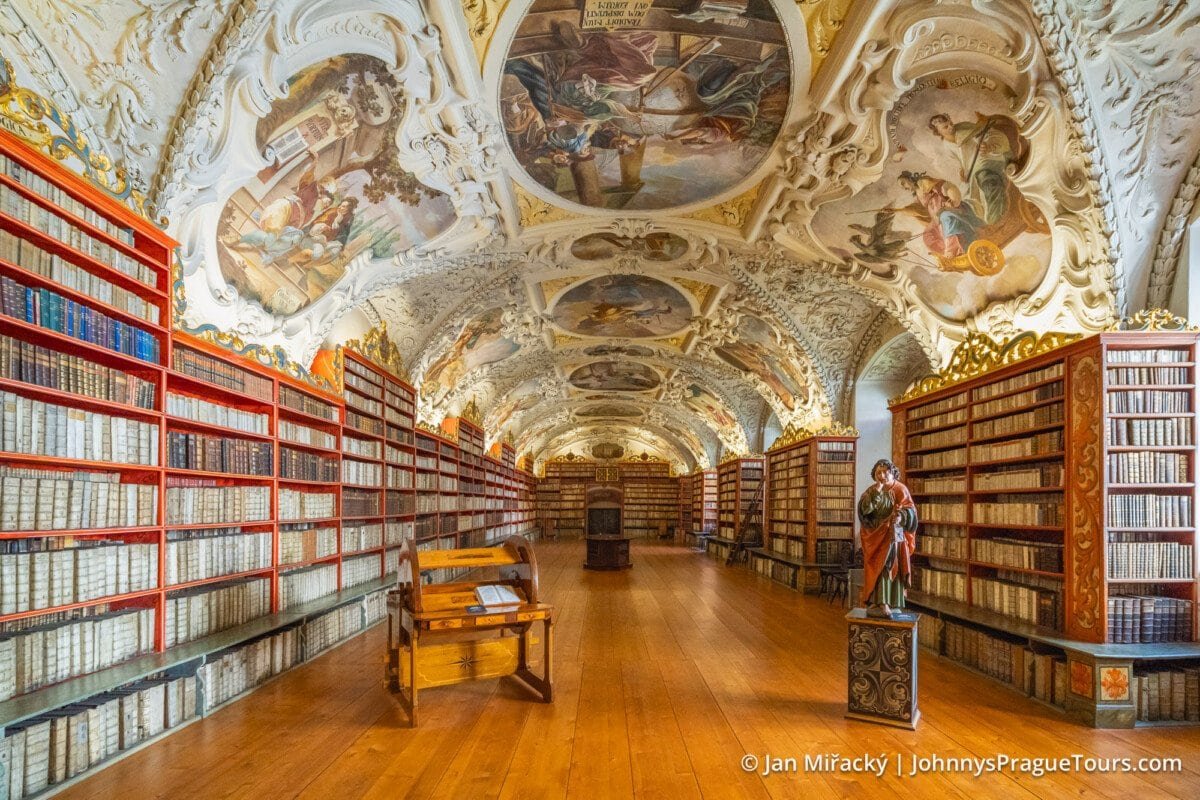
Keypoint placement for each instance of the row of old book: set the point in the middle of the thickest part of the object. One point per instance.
(1020, 509)
(399, 478)
(363, 404)
(53, 572)
(31, 427)
(51, 266)
(41, 366)
(62, 199)
(1029, 598)
(1132, 556)
(1013, 424)
(58, 227)
(1020, 553)
(196, 555)
(201, 451)
(1142, 619)
(1164, 432)
(359, 570)
(1150, 511)
(37, 653)
(55, 747)
(48, 309)
(307, 584)
(306, 403)
(303, 545)
(301, 465)
(1148, 467)
(1039, 675)
(195, 613)
(1038, 444)
(360, 447)
(357, 537)
(362, 473)
(201, 501)
(296, 504)
(50, 500)
(1015, 401)
(221, 373)
(198, 410)
(1149, 401)
(364, 424)
(1170, 694)
(1141, 376)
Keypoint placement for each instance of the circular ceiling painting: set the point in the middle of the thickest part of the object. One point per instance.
(615, 376)
(628, 104)
(624, 306)
(609, 410)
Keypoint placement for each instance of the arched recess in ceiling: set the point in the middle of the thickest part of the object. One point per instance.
(502, 156)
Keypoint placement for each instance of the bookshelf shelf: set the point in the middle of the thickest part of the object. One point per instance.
(98, 601)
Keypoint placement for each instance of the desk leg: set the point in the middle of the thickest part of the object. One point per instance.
(412, 656)
(548, 654)
(539, 683)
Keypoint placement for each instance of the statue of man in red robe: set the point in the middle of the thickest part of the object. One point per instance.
(888, 520)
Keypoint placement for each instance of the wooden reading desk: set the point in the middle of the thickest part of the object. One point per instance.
(434, 641)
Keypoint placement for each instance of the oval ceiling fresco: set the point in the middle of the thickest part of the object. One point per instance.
(629, 104)
(657, 246)
(615, 376)
(609, 410)
(624, 306)
(333, 188)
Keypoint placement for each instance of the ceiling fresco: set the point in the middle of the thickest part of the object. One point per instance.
(668, 226)
(622, 306)
(632, 105)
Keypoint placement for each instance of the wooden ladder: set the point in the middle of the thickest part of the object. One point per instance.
(749, 533)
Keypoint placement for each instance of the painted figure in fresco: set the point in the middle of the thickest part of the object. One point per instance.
(614, 376)
(481, 341)
(887, 517)
(989, 150)
(751, 356)
(951, 223)
(732, 94)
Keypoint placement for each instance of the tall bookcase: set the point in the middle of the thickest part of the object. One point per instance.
(650, 497)
(809, 508)
(1057, 503)
(738, 484)
(170, 513)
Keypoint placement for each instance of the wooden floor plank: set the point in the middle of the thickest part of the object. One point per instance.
(666, 675)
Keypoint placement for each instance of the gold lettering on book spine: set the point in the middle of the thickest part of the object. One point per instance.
(1084, 614)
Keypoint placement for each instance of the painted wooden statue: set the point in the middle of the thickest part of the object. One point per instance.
(888, 520)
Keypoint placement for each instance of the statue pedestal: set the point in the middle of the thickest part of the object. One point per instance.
(883, 669)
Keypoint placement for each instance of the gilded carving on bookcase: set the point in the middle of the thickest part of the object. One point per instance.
(428, 428)
(378, 347)
(38, 121)
(979, 354)
(1155, 319)
(1084, 578)
(798, 433)
(567, 458)
(472, 414)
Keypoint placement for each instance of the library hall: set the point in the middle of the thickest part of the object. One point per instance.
(590, 399)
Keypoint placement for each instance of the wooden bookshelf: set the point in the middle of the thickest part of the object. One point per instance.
(738, 482)
(1058, 493)
(166, 468)
(809, 509)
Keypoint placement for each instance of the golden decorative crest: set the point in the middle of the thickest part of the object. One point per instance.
(38, 121)
(979, 354)
(472, 414)
(798, 433)
(824, 20)
(1154, 319)
(434, 429)
(482, 17)
(378, 347)
(733, 212)
(536, 211)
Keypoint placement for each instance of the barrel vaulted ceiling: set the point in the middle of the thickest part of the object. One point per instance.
(663, 227)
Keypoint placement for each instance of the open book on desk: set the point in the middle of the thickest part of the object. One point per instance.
(496, 595)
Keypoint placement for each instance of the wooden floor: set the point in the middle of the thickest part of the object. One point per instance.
(666, 676)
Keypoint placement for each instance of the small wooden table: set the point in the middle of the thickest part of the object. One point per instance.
(607, 552)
